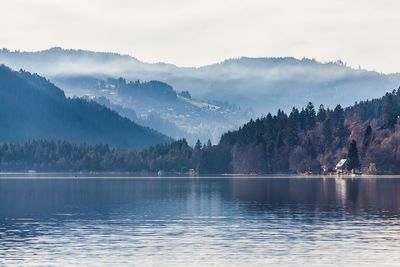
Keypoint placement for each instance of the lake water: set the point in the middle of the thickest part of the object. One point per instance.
(285, 221)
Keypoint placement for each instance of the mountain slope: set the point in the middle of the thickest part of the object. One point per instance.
(308, 140)
(157, 105)
(367, 134)
(33, 108)
(264, 84)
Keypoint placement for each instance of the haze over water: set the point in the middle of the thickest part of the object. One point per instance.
(200, 222)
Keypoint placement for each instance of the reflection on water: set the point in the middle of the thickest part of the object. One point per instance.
(200, 222)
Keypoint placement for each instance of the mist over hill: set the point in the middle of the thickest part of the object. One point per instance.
(264, 84)
(151, 103)
(32, 108)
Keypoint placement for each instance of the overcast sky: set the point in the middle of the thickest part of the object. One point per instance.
(194, 33)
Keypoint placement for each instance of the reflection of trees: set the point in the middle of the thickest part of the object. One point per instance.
(381, 196)
(355, 196)
(104, 199)
(47, 197)
(59, 201)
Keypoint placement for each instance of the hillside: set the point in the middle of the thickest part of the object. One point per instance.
(310, 139)
(157, 105)
(264, 84)
(306, 140)
(33, 108)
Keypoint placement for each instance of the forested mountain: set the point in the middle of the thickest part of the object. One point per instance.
(306, 140)
(264, 84)
(157, 105)
(33, 108)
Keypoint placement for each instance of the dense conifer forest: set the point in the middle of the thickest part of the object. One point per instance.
(312, 139)
(307, 140)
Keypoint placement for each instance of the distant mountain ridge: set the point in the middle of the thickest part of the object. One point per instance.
(157, 105)
(264, 84)
(32, 108)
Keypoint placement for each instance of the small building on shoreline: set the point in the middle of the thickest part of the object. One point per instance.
(341, 166)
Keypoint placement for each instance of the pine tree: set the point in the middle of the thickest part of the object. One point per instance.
(352, 157)
(292, 138)
(341, 131)
(209, 145)
(338, 117)
(327, 133)
(295, 117)
(310, 116)
(321, 116)
(367, 139)
(198, 145)
(390, 111)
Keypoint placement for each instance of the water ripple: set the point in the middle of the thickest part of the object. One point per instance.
(199, 223)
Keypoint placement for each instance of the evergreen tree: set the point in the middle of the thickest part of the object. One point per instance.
(209, 145)
(338, 117)
(367, 139)
(294, 117)
(292, 138)
(321, 116)
(327, 133)
(352, 157)
(197, 147)
(341, 132)
(390, 111)
(197, 155)
(310, 116)
(302, 119)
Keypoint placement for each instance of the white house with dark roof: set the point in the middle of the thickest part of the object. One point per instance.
(341, 166)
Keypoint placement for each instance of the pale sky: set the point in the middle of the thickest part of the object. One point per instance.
(195, 33)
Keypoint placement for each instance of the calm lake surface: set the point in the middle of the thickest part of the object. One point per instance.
(272, 221)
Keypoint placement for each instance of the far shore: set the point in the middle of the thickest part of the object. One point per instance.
(140, 175)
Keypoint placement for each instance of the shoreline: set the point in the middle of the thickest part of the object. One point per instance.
(129, 175)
